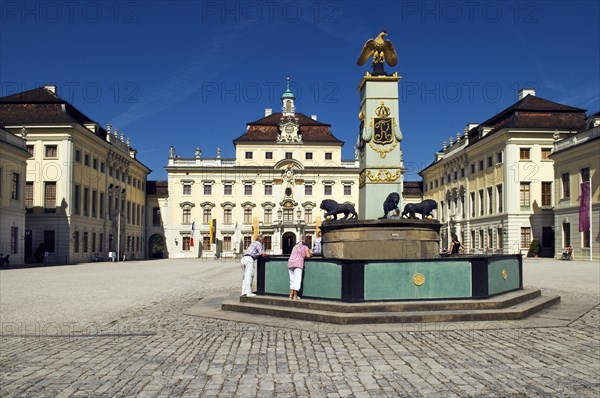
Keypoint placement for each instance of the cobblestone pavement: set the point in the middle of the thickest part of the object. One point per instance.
(106, 330)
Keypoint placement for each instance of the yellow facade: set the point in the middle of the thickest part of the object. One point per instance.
(13, 162)
(86, 189)
(577, 159)
(494, 185)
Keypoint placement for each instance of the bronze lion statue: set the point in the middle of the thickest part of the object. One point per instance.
(333, 208)
(424, 208)
(391, 203)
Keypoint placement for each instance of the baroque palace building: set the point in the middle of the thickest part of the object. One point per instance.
(84, 189)
(13, 164)
(576, 162)
(495, 183)
(285, 164)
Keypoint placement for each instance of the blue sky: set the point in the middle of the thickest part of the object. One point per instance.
(192, 74)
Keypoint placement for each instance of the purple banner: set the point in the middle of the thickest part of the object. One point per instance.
(584, 207)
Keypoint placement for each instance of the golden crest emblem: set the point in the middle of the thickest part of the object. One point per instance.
(383, 126)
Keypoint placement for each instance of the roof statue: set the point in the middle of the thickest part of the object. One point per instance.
(381, 50)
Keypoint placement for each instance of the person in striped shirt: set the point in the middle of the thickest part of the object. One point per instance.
(254, 251)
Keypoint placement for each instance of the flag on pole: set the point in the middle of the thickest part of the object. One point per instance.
(255, 228)
(584, 207)
(192, 238)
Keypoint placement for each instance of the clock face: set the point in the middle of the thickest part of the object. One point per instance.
(289, 128)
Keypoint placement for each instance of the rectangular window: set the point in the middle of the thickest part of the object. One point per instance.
(546, 153)
(585, 174)
(50, 197)
(155, 216)
(462, 172)
(490, 193)
(490, 161)
(186, 217)
(247, 216)
(110, 207)
(247, 241)
(480, 165)
(247, 189)
(288, 155)
(206, 243)
(546, 193)
(86, 159)
(186, 242)
(227, 189)
(29, 196)
(472, 239)
(472, 204)
(14, 240)
(76, 241)
(248, 155)
(95, 164)
(481, 238)
(566, 234)
(499, 239)
(207, 189)
(102, 171)
(94, 203)
(227, 216)
(268, 243)
(268, 216)
(30, 149)
(347, 190)
(288, 215)
(86, 202)
(585, 239)
(473, 168)
(85, 242)
(268, 155)
(101, 212)
(489, 239)
(308, 190)
(328, 156)
(128, 212)
(327, 190)
(268, 189)
(227, 243)
(525, 196)
(309, 155)
(14, 186)
(206, 215)
(77, 155)
(308, 216)
(93, 242)
(499, 157)
(187, 189)
(101, 243)
(51, 151)
(481, 204)
(524, 153)
(566, 185)
(499, 198)
(525, 237)
(77, 199)
(49, 241)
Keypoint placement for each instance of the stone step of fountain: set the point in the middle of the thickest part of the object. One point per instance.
(315, 313)
(497, 302)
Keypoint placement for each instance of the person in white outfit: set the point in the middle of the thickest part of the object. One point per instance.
(254, 251)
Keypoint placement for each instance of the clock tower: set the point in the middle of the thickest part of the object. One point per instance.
(288, 126)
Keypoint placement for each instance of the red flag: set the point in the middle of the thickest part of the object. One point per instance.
(584, 207)
(192, 242)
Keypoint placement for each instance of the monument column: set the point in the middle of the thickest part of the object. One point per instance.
(381, 165)
(378, 144)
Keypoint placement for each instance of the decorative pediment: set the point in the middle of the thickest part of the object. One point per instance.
(207, 204)
(187, 204)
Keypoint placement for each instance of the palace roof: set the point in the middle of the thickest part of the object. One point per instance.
(267, 130)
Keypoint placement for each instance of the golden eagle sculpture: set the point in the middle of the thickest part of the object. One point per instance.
(381, 50)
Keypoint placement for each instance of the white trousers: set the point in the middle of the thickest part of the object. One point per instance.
(248, 272)
(295, 278)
